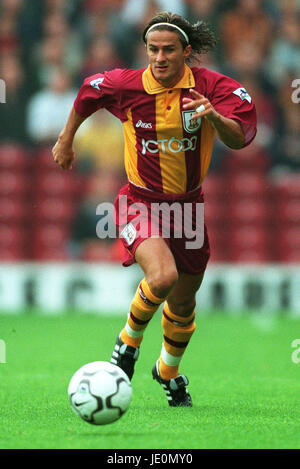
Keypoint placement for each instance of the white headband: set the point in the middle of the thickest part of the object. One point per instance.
(172, 26)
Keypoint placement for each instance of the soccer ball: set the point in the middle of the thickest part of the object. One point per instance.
(100, 392)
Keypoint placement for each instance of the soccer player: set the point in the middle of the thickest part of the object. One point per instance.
(170, 114)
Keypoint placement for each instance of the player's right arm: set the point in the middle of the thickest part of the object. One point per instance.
(97, 91)
(62, 151)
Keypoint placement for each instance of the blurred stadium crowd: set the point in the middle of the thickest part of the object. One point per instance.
(48, 47)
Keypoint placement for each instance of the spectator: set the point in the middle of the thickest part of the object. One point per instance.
(48, 109)
(287, 144)
(247, 23)
(100, 57)
(56, 27)
(94, 152)
(285, 51)
(68, 9)
(102, 187)
(60, 46)
(49, 56)
(289, 7)
(98, 24)
(30, 28)
(245, 62)
(267, 110)
(9, 14)
(135, 11)
(140, 57)
(13, 112)
(96, 6)
(202, 10)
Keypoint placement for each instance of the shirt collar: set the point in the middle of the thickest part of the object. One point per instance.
(152, 86)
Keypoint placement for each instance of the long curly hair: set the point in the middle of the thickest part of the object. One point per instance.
(201, 37)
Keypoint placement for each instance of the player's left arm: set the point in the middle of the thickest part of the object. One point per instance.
(228, 130)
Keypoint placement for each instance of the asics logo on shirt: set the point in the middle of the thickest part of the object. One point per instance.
(173, 145)
(144, 125)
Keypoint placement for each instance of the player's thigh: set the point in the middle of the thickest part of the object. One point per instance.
(182, 298)
(157, 261)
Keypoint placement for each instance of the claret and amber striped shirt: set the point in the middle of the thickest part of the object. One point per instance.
(165, 149)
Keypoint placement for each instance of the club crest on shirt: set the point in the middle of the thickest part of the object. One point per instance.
(129, 233)
(190, 125)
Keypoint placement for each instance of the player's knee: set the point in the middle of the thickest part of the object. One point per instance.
(183, 308)
(162, 281)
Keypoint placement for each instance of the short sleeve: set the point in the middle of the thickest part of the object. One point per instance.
(231, 100)
(99, 91)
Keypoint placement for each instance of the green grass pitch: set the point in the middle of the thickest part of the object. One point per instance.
(244, 384)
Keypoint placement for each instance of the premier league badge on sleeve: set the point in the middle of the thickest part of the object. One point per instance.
(242, 93)
(96, 83)
(190, 125)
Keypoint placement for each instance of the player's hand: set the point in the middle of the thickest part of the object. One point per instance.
(198, 101)
(63, 154)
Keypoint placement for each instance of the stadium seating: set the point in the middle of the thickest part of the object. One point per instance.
(287, 242)
(215, 214)
(245, 184)
(219, 244)
(97, 251)
(12, 253)
(249, 218)
(13, 183)
(55, 184)
(288, 187)
(249, 244)
(52, 235)
(55, 254)
(14, 158)
(54, 210)
(249, 160)
(289, 236)
(49, 240)
(13, 210)
(102, 251)
(248, 212)
(44, 160)
(287, 213)
(11, 234)
(214, 187)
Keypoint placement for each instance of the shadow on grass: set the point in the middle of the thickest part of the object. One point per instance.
(244, 411)
(114, 433)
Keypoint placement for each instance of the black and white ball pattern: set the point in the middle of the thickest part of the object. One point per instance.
(100, 393)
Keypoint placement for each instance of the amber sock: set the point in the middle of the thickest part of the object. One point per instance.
(143, 307)
(177, 332)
